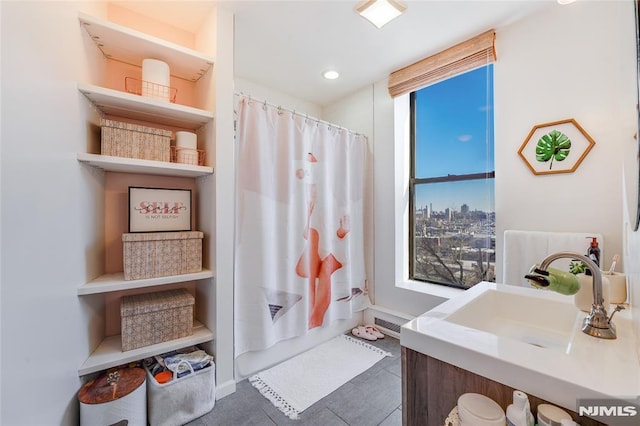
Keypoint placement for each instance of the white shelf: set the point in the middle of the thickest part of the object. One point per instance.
(131, 47)
(116, 282)
(123, 104)
(148, 167)
(109, 353)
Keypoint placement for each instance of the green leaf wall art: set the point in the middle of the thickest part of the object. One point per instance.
(555, 145)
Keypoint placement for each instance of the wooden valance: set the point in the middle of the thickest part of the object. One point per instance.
(462, 57)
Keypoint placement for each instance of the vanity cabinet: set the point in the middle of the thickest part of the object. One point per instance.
(430, 390)
(119, 51)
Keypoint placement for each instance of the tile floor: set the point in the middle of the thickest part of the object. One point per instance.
(371, 399)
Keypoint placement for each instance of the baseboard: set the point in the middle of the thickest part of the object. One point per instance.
(226, 388)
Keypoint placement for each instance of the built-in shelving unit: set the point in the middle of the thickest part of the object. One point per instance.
(122, 44)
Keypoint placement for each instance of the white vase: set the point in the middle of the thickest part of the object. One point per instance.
(584, 296)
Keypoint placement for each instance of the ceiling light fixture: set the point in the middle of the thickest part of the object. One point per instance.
(331, 74)
(380, 12)
(563, 2)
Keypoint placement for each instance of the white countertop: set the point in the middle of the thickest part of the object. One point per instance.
(587, 367)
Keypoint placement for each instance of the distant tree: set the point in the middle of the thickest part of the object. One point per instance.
(443, 262)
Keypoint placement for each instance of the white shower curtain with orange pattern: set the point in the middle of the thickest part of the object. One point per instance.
(299, 225)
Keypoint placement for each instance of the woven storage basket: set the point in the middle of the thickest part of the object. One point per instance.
(159, 254)
(135, 141)
(150, 318)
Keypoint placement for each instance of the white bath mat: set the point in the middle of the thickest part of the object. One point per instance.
(298, 383)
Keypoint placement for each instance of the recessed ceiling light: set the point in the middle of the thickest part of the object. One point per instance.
(380, 12)
(565, 1)
(331, 74)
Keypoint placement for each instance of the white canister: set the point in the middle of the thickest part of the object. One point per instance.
(120, 395)
(584, 296)
(186, 140)
(475, 409)
(617, 286)
(155, 79)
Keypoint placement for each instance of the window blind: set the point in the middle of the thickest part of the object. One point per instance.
(465, 56)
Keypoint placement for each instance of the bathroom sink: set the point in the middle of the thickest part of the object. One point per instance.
(531, 340)
(534, 320)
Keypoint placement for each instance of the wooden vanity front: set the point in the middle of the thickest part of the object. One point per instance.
(430, 390)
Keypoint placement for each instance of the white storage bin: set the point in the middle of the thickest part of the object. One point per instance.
(115, 396)
(182, 399)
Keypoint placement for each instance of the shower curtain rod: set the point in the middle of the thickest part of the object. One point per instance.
(294, 112)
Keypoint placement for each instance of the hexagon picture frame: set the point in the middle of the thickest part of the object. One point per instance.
(556, 147)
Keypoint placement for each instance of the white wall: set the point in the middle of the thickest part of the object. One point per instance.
(576, 61)
(222, 197)
(275, 97)
(51, 209)
(632, 254)
(585, 71)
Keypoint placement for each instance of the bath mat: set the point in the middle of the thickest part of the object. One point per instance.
(301, 381)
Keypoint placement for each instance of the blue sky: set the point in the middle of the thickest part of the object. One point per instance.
(454, 122)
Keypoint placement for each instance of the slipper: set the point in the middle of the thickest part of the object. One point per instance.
(372, 329)
(363, 333)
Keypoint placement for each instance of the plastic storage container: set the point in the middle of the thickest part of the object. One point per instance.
(550, 415)
(478, 410)
(115, 396)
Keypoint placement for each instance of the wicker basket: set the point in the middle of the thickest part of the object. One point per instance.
(159, 254)
(121, 139)
(150, 318)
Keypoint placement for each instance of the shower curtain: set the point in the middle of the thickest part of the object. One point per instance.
(299, 225)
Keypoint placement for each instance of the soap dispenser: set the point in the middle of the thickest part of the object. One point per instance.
(593, 252)
(519, 413)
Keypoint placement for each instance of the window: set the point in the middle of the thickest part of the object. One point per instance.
(451, 182)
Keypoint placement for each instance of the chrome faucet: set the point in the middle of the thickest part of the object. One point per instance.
(597, 323)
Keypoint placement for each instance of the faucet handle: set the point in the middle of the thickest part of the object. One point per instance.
(617, 309)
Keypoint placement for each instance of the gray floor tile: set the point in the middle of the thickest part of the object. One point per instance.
(392, 366)
(368, 402)
(370, 399)
(394, 419)
(320, 417)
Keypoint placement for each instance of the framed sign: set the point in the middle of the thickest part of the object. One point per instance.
(159, 210)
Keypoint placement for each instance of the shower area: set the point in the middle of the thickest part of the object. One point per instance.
(302, 225)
